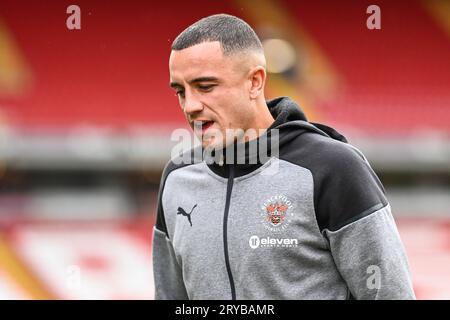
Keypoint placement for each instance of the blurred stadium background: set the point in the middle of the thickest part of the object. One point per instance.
(86, 117)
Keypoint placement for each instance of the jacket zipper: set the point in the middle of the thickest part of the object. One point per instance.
(225, 230)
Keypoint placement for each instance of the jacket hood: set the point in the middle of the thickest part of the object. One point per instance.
(289, 118)
(290, 122)
(284, 109)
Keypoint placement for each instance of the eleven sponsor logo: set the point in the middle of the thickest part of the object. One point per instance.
(269, 242)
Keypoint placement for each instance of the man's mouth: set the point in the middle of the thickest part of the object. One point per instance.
(206, 125)
(202, 125)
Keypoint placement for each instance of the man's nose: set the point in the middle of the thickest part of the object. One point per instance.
(192, 104)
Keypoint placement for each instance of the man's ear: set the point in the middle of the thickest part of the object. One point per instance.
(257, 77)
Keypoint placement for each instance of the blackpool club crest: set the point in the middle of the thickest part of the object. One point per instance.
(276, 213)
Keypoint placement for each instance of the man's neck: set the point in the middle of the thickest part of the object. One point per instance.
(263, 120)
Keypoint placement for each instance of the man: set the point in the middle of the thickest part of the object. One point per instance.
(309, 221)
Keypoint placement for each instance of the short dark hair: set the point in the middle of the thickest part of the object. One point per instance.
(234, 34)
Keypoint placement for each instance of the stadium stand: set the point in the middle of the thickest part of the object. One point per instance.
(86, 117)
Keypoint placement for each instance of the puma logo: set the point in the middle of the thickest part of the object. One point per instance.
(184, 213)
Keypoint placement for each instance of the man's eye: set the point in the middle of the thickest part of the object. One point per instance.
(206, 87)
(180, 93)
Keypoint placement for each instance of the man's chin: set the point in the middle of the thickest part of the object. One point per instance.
(211, 144)
(212, 140)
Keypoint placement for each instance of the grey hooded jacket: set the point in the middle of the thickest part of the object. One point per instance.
(309, 222)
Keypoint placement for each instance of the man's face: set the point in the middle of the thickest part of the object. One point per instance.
(212, 90)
